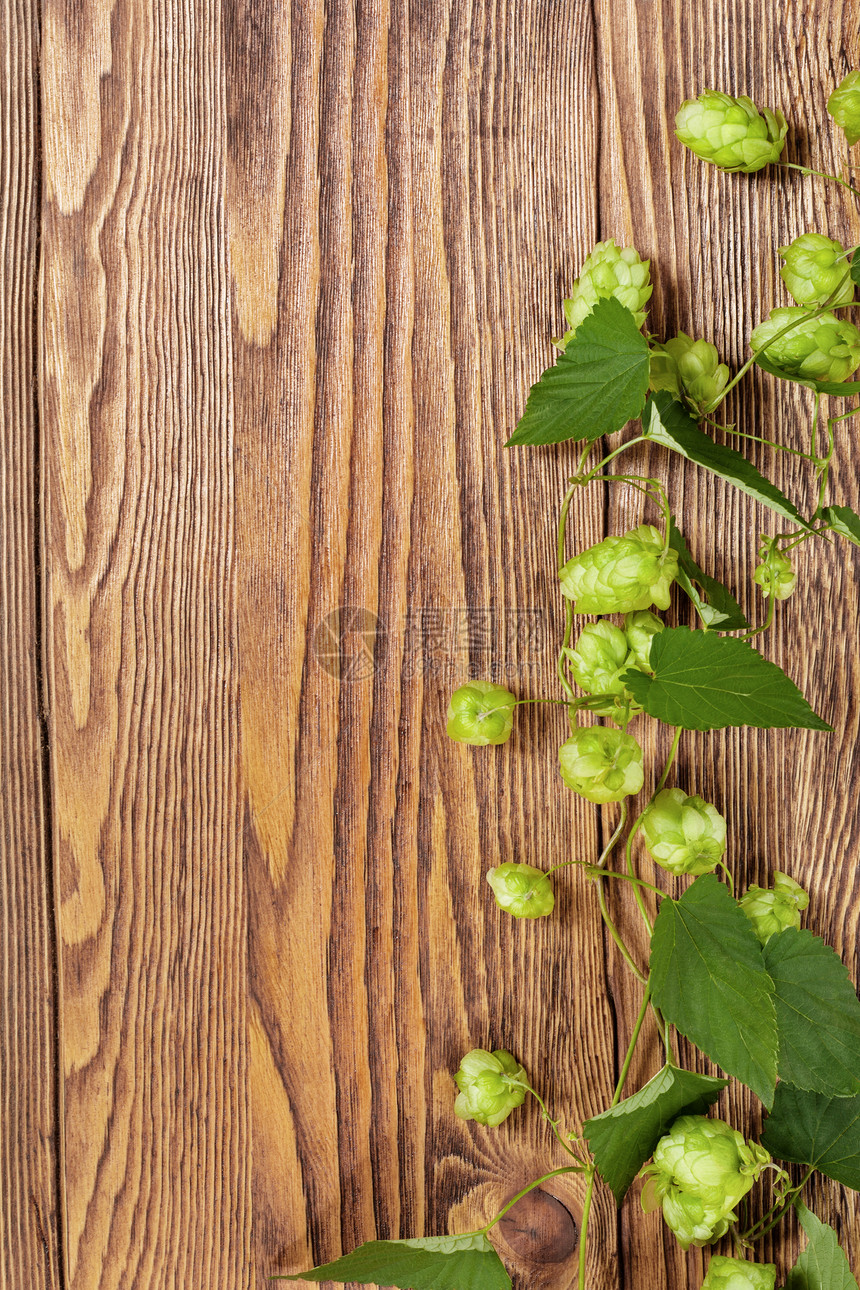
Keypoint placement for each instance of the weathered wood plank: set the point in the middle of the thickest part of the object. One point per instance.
(713, 240)
(139, 541)
(30, 1243)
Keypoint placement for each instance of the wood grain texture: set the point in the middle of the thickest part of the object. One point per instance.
(300, 262)
(30, 1243)
(139, 540)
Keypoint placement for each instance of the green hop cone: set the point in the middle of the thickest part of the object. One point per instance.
(621, 574)
(702, 1169)
(844, 106)
(610, 270)
(599, 657)
(775, 574)
(825, 348)
(640, 629)
(684, 834)
(489, 1085)
(772, 911)
(739, 1274)
(690, 370)
(730, 132)
(481, 713)
(522, 890)
(813, 268)
(601, 764)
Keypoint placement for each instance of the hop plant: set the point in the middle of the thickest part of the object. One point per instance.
(621, 574)
(599, 657)
(602, 764)
(490, 1086)
(825, 348)
(610, 270)
(772, 911)
(481, 713)
(522, 890)
(640, 629)
(775, 573)
(731, 132)
(814, 268)
(844, 106)
(690, 370)
(702, 1169)
(684, 834)
(738, 1274)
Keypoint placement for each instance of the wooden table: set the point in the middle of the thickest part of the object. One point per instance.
(275, 281)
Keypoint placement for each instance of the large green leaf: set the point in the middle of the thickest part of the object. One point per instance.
(716, 606)
(814, 1129)
(623, 1138)
(836, 389)
(843, 521)
(598, 384)
(427, 1263)
(667, 422)
(708, 979)
(703, 681)
(817, 1014)
(822, 1265)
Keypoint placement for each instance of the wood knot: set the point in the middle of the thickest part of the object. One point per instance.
(540, 1229)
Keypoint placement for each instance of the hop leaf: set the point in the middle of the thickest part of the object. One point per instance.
(844, 106)
(481, 713)
(610, 270)
(813, 268)
(522, 890)
(622, 574)
(602, 764)
(738, 1274)
(490, 1086)
(825, 348)
(772, 911)
(684, 834)
(690, 370)
(730, 132)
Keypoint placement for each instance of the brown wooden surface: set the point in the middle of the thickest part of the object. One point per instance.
(295, 270)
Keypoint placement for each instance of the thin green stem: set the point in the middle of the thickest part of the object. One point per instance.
(771, 607)
(625, 1067)
(521, 1083)
(614, 873)
(780, 447)
(553, 1173)
(562, 703)
(562, 523)
(631, 443)
(777, 1210)
(614, 932)
(822, 174)
(583, 1231)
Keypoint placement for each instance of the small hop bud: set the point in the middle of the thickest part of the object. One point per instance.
(690, 370)
(610, 270)
(813, 268)
(640, 629)
(684, 834)
(490, 1086)
(775, 574)
(844, 106)
(621, 574)
(772, 911)
(825, 348)
(731, 132)
(738, 1274)
(702, 1169)
(481, 713)
(522, 890)
(602, 764)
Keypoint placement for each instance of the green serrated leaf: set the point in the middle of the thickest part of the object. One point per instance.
(817, 1014)
(623, 1138)
(854, 267)
(425, 1263)
(708, 979)
(836, 389)
(719, 610)
(843, 521)
(814, 1129)
(822, 1265)
(598, 384)
(703, 681)
(667, 422)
